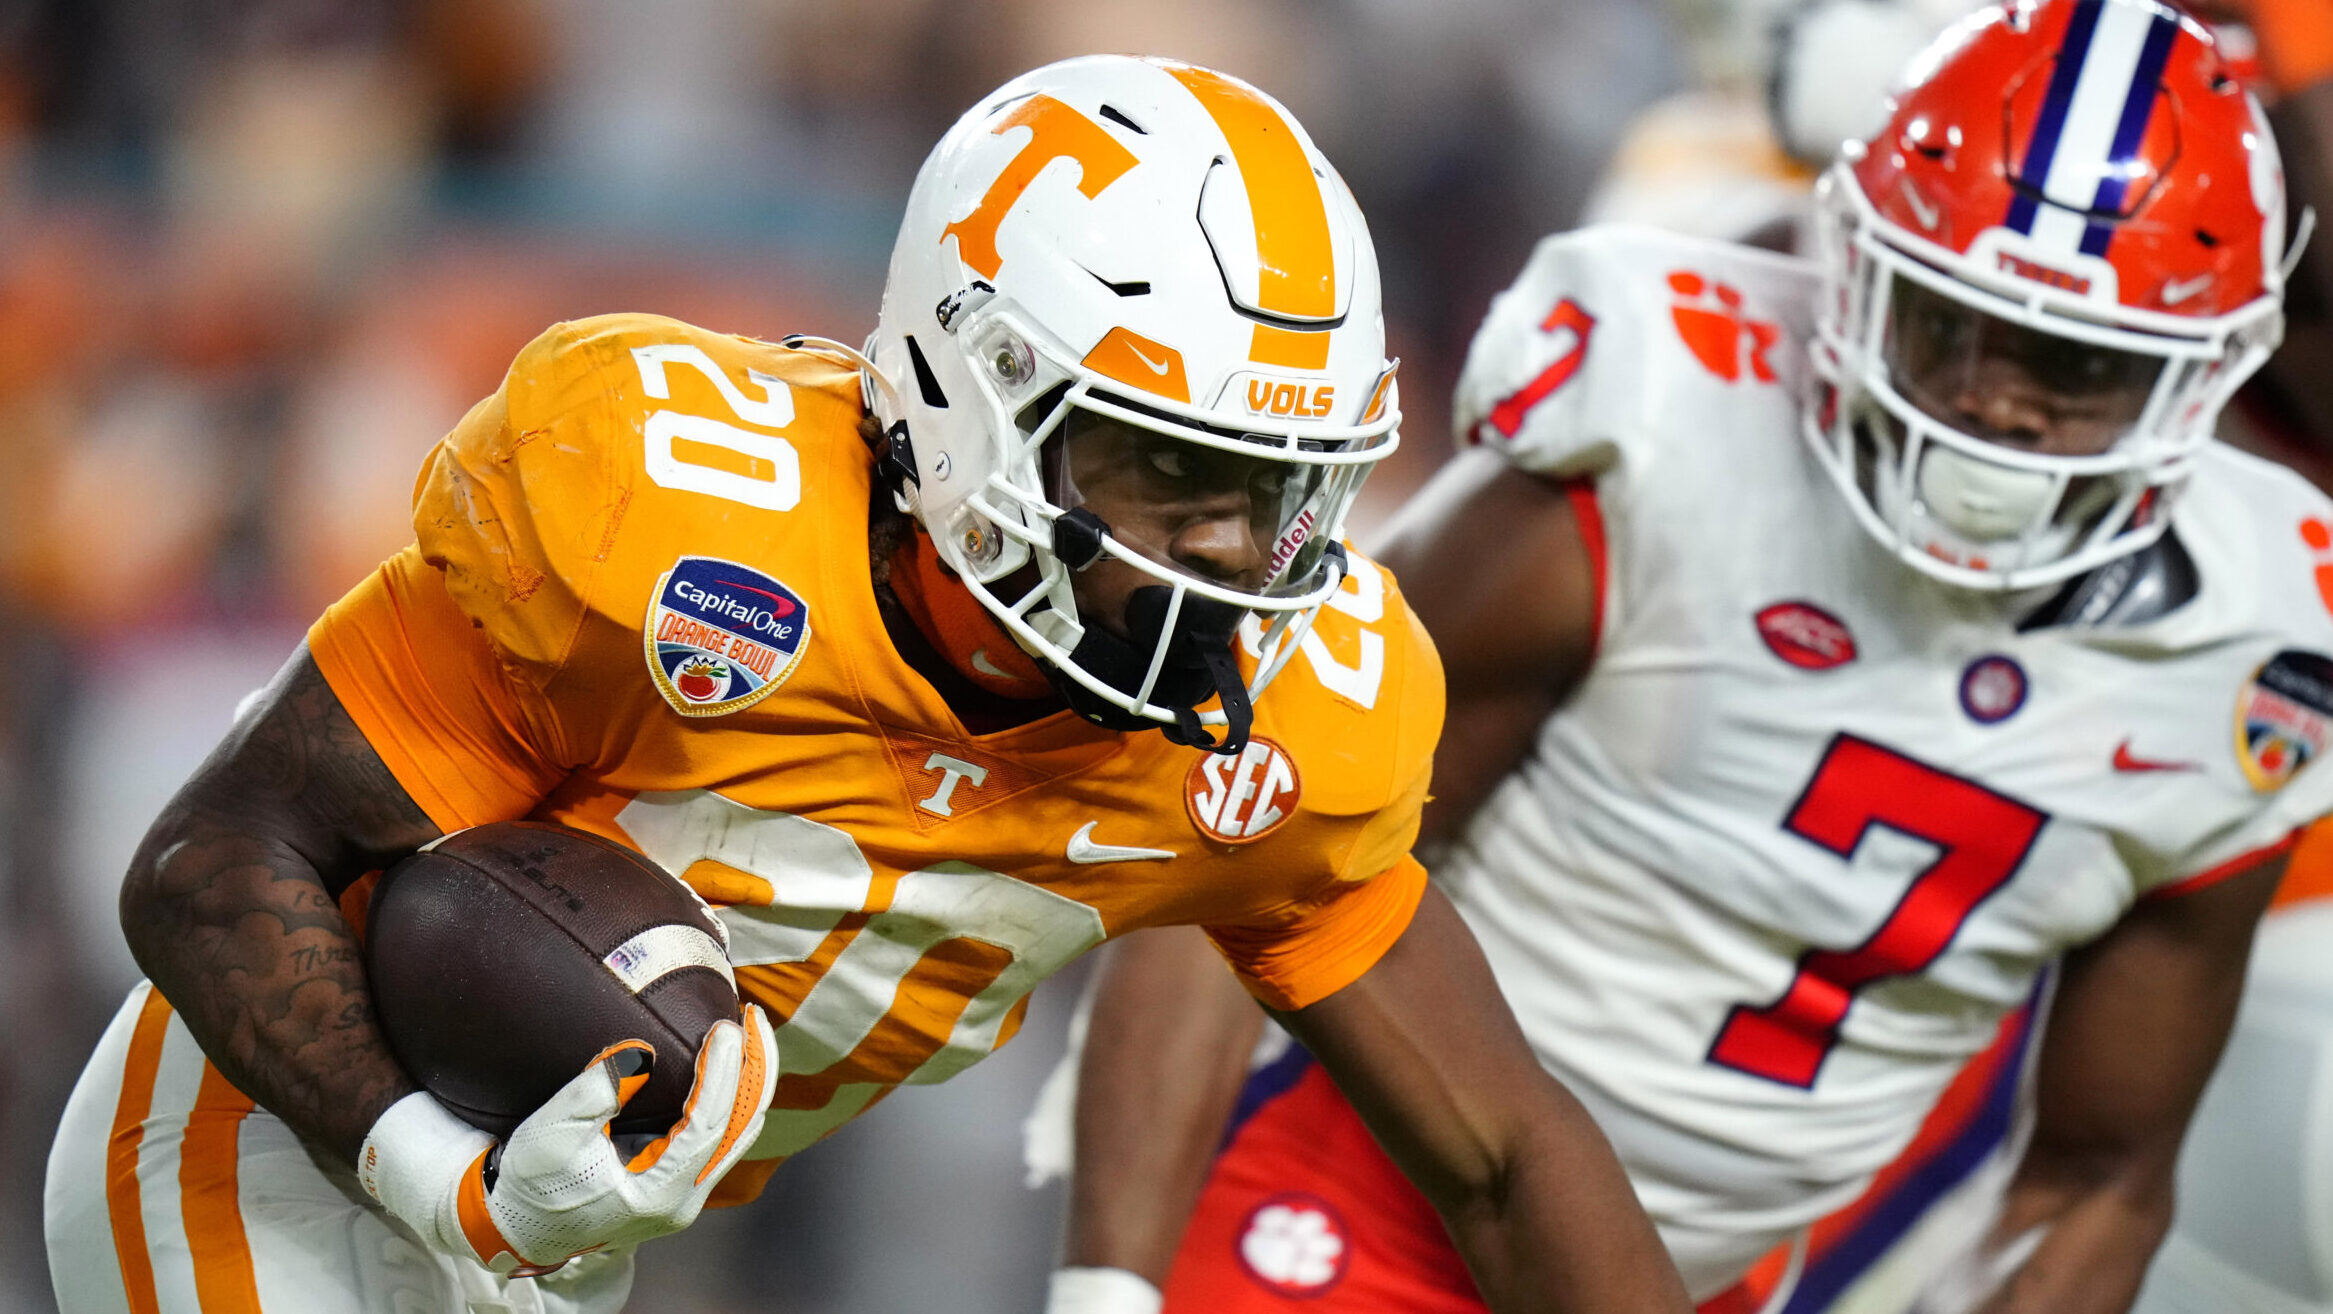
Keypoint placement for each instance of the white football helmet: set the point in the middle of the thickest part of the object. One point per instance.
(1163, 246)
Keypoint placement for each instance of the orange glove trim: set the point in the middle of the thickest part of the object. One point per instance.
(477, 1220)
(748, 1099)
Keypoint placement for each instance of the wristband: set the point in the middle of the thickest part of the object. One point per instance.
(1101, 1291)
(413, 1162)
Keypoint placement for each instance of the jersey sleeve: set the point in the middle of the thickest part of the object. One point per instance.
(1555, 378)
(2268, 829)
(447, 658)
(1324, 944)
(2252, 527)
(1615, 337)
(1368, 758)
(518, 506)
(468, 742)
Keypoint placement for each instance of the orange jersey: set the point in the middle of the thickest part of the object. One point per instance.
(641, 604)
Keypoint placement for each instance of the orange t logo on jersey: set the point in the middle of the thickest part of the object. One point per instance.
(1055, 132)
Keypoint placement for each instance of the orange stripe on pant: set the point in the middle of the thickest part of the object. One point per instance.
(224, 1281)
(123, 1204)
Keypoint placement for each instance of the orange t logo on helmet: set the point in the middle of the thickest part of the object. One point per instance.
(1056, 132)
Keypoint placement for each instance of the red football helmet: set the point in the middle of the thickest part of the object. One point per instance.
(2044, 277)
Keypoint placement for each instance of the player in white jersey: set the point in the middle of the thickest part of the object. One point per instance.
(1834, 647)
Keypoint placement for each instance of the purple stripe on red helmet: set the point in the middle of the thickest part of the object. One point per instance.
(2137, 109)
(2043, 149)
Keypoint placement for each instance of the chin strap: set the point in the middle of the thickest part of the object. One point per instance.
(1199, 665)
(1238, 712)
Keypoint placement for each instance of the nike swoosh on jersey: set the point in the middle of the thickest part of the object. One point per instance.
(2125, 761)
(1083, 849)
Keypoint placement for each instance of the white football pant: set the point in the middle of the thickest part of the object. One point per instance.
(169, 1193)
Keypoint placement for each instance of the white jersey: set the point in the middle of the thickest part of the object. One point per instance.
(1815, 822)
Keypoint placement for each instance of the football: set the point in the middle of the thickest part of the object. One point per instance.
(504, 957)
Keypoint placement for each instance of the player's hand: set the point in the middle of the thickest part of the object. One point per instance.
(560, 1187)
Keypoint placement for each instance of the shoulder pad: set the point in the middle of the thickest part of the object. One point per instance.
(1614, 332)
(2262, 537)
(1360, 704)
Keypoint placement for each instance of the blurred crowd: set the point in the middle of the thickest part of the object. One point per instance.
(257, 255)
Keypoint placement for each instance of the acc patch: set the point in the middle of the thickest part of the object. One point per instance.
(2284, 717)
(1242, 798)
(722, 637)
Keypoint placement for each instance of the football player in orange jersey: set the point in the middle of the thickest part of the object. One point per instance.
(869, 653)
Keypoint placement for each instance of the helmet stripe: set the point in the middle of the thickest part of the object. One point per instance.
(1297, 274)
(2082, 150)
(2041, 152)
(2137, 109)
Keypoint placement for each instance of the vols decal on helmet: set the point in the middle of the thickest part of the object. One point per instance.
(1055, 132)
(1266, 395)
(1295, 1245)
(722, 637)
(1245, 796)
(2284, 717)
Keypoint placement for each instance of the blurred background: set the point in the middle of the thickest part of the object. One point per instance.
(256, 256)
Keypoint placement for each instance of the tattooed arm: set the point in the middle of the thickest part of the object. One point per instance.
(231, 908)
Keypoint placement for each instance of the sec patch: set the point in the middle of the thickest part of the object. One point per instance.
(721, 636)
(1243, 797)
(2284, 717)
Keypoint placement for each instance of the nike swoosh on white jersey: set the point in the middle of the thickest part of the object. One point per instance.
(1083, 849)
(1158, 367)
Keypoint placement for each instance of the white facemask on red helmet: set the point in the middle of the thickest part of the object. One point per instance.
(2072, 224)
(1163, 246)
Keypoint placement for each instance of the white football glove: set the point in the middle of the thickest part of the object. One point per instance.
(559, 1187)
